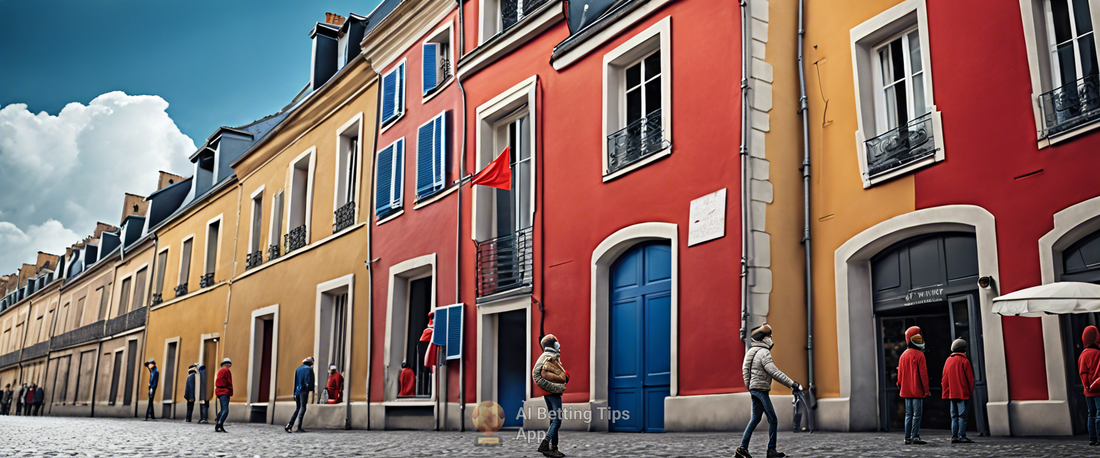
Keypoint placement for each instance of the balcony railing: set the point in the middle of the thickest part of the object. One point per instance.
(157, 299)
(206, 280)
(635, 142)
(295, 239)
(513, 12)
(181, 289)
(1070, 106)
(901, 146)
(254, 259)
(345, 216)
(273, 252)
(37, 350)
(78, 336)
(9, 358)
(121, 324)
(504, 263)
(444, 69)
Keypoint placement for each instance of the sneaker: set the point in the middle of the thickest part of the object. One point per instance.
(908, 441)
(742, 452)
(1093, 442)
(773, 453)
(955, 440)
(917, 441)
(287, 428)
(300, 430)
(965, 440)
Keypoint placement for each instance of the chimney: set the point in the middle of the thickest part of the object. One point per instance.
(100, 228)
(325, 39)
(168, 179)
(334, 19)
(133, 204)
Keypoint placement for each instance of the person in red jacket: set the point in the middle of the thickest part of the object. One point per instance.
(913, 383)
(1088, 365)
(335, 385)
(223, 389)
(958, 386)
(408, 381)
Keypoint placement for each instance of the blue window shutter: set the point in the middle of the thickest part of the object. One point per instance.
(425, 180)
(389, 93)
(431, 66)
(441, 141)
(385, 175)
(400, 89)
(454, 331)
(399, 172)
(439, 332)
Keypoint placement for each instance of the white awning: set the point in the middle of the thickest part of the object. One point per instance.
(1050, 299)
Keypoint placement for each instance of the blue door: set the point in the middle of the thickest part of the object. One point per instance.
(512, 374)
(640, 361)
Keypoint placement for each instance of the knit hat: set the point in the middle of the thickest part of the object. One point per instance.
(1090, 336)
(308, 361)
(227, 361)
(760, 332)
(959, 346)
(913, 337)
(151, 361)
(548, 341)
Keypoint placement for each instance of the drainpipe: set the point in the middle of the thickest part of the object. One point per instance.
(145, 332)
(370, 247)
(803, 109)
(746, 304)
(458, 228)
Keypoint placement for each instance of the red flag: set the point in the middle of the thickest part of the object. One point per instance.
(497, 174)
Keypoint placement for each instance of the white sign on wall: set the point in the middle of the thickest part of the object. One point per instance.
(707, 218)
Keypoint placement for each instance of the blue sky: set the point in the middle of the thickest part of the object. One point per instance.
(97, 96)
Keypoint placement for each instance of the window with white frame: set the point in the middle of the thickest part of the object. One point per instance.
(276, 233)
(124, 297)
(162, 266)
(637, 101)
(498, 16)
(391, 170)
(431, 157)
(255, 255)
(213, 232)
(1061, 43)
(393, 94)
(436, 57)
(300, 205)
(185, 267)
(139, 288)
(347, 175)
(899, 127)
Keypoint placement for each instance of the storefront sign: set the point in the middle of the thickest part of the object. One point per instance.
(924, 296)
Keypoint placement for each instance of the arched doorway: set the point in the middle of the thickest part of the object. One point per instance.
(928, 281)
(1080, 262)
(640, 334)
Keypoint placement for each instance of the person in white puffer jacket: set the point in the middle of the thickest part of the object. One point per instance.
(759, 370)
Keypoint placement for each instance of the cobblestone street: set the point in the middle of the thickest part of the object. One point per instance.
(105, 437)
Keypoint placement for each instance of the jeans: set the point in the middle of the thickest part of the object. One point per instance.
(553, 407)
(204, 410)
(224, 412)
(37, 410)
(914, 408)
(301, 400)
(958, 417)
(761, 404)
(190, 409)
(149, 413)
(1093, 422)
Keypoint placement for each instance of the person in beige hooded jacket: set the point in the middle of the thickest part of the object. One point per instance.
(759, 370)
(550, 375)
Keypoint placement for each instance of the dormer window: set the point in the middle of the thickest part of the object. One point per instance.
(437, 60)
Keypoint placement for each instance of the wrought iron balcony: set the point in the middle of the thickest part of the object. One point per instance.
(273, 252)
(78, 336)
(345, 217)
(157, 298)
(504, 263)
(181, 289)
(206, 280)
(901, 146)
(513, 12)
(121, 324)
(254, 259)
(1070, 106)
(635, 142)
(295, 239)
(37, 350)
(444, 69)
(8, 359)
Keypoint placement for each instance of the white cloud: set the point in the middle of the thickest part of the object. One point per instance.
(60, 174)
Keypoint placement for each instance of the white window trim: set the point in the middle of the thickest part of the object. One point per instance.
(164, 267)
(308, 217)
(405, 271)
(864, 39)
(179, 266)
(403, 84)
(614, 63)
(253, 365)
(322, 288)
(206, 245)
(543, 19)
(133, 282)
(431, 93)
(272, 235)
(416, 168)
(487, 344)
(486, 151)
(400, 201)
(605, 35)
(354, 124)
(165, 396)
(252, 218)
(129, 297)
(1033, 14)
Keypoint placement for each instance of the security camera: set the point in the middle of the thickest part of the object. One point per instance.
(985, 282)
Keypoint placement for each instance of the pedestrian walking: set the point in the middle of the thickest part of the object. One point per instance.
(1088, 366)
(223, 389)
(19, 399)
(303, 385)
(958, 386)
(154, 379)
(39, 398)
(189, 390)
(204, 396)
(5, 399)
(28, 401)
(335, 385)
(550, 375)
(408, 381)
(759, 370)
(913, 383)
